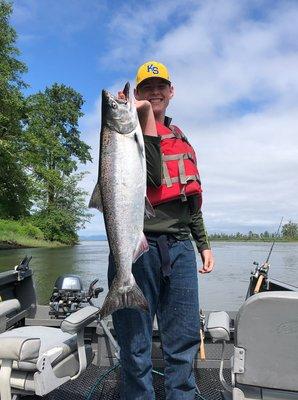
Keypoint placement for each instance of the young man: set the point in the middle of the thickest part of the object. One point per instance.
(167, 273)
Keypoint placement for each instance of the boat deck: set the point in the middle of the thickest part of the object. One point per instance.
(90, 386)
(97, 383)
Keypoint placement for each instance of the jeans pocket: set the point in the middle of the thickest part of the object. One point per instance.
(187, 244)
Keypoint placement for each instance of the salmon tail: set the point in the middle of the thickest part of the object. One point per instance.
(123, 297)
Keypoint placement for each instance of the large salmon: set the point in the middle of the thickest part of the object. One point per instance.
(120, 194)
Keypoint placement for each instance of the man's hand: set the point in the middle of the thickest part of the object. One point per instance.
(208, 261)
(121, 95)
(145, 115)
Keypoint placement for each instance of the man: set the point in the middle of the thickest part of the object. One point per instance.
(167, 273)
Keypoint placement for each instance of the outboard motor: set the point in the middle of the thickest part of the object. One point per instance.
(68, 295)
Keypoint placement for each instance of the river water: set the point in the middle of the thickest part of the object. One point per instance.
(223, 289)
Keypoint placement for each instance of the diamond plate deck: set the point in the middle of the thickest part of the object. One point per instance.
(87, 387)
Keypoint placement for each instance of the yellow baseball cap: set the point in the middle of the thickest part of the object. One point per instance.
(152, 69)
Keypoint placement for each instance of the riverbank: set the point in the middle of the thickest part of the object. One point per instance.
(25, 243)
(21, 234)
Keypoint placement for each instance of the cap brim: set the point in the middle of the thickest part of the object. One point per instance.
(153, 77)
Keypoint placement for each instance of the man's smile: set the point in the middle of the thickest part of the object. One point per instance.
(155, 100)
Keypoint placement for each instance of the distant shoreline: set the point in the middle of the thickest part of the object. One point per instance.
(255, 240)
(26, 243)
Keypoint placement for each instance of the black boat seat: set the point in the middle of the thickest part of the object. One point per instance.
(38, 359)
(265, 360)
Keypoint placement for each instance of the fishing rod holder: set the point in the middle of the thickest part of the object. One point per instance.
(23, 268)
(260, 270)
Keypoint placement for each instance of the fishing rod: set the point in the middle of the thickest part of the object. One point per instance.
(262, 272)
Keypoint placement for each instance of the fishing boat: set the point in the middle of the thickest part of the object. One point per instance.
(63, 351)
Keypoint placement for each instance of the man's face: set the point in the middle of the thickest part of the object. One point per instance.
(157, 91)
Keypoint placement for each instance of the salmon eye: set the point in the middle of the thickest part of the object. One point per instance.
(114, 104)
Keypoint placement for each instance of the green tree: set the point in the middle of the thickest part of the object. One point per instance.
(265, 235)
(53, 146)
(15, 187)
(52, 151)
(290, 230)
(61, 220)
(14, 184)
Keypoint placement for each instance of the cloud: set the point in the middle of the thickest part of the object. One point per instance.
(234, 66)
(136, 27)
(57, 19)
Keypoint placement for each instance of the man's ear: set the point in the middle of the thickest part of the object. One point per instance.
(135, 92)
(171, 91)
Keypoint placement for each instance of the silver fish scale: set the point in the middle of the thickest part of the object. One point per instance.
(123, 187)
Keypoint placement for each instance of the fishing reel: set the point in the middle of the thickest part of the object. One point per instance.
(258, 278)
(260, 269)
(68, 295)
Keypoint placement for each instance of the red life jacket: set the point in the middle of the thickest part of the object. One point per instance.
(180, 175)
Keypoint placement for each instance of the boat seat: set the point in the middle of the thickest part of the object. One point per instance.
(38, 359)
(265, 360)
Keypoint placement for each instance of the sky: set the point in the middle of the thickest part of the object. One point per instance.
(234, 67)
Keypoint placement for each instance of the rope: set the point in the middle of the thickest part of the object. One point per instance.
(100, 379)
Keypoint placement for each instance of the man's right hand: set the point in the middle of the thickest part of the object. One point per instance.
(208, 261)
(145, 114)
(146, 117)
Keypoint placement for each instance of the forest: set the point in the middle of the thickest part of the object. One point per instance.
(288, 232)
(41, 201)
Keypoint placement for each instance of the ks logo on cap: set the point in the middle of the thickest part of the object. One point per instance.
(152, 68)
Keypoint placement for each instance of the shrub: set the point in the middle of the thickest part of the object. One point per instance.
(23, 228)
(57, 225)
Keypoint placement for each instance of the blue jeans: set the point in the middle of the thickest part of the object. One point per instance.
(174, 300)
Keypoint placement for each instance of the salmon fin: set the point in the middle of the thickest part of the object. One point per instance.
(123, 297)
(126, 90)
(141, 248)
(95, 201)
(149, 210)
(140, 145)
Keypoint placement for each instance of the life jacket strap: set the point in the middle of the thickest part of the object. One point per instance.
(182, 173)
(181, 167)
(182, 194)
(172, 157)
(173, 135)
(176, 179)
(167, 179)
(176, 133)
(169, 136)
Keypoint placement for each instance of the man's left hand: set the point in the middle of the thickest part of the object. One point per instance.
(208, 261)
